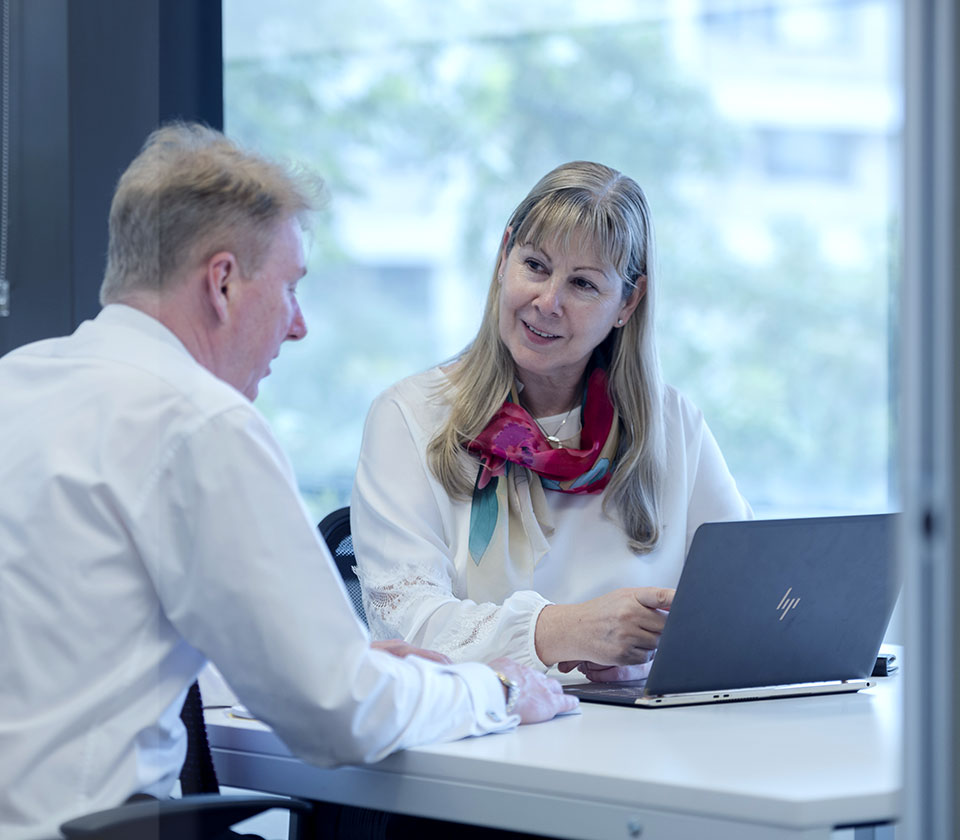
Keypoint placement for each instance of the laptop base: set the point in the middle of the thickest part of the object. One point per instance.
(631, 693)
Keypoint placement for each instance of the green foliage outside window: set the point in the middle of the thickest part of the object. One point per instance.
(789, 357)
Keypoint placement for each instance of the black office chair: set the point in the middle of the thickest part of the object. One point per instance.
(203, 817)
(335, 530)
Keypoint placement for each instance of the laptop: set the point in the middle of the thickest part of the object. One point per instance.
(771, 608)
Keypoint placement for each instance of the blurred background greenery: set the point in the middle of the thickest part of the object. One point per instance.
(765, 135)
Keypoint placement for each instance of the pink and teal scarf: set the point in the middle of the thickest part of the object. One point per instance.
(508, 515)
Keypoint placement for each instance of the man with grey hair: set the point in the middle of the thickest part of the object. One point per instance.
(150, 522)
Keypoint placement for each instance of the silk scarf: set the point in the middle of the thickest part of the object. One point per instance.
(509, 518)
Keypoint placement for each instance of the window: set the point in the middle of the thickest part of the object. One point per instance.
(807, 155)
(765, 135)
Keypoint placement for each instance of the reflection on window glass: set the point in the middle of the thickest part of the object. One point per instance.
(765, 135)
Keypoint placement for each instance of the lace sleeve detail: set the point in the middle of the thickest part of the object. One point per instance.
(468, 633)
(391, 601)
(405, 527)
(402, 605)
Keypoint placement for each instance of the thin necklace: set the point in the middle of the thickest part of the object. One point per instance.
(554, 439)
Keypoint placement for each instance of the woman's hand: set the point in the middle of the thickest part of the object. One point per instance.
(399, 648)
(622, 627)
(539, 697)
(607, 673)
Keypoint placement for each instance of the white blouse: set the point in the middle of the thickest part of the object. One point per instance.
(411, 538)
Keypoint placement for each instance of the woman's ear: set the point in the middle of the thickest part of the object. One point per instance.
(502, 264)
(633, 300)
(641, 287)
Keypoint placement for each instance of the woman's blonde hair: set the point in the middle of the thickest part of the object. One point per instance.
(580, 200)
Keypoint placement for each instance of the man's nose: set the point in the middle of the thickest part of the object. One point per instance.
(298, 326)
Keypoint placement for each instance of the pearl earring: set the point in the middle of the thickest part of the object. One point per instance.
(619, 322)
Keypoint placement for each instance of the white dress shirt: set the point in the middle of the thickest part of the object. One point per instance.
(411, 538)
(149, 521)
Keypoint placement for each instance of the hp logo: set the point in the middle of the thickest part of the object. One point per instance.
(787, 603)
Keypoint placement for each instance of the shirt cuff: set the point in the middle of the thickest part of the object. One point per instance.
(489, 702)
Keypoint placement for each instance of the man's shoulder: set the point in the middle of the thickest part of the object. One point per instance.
(40, 348)
(129, 367)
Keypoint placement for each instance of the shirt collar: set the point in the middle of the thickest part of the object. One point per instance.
(121, 315)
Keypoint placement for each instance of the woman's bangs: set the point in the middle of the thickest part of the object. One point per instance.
(572, 222)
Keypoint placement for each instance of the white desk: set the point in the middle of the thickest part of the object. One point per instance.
(793, 768)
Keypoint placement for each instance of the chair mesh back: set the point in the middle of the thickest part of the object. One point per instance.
(335, 530)
(343, 554)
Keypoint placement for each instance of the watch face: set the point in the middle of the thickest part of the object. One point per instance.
(512, 690)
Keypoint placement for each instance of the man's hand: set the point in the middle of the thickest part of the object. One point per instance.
(539, 697)
(399, 648)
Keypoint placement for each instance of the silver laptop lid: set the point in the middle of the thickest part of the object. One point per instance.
(770, 602)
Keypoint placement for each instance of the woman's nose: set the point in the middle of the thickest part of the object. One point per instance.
(548, 300)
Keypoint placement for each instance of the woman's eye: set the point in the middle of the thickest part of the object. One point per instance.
(534, 265)
(583, 283)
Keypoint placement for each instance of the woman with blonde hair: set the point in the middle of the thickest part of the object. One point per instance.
(536, 496)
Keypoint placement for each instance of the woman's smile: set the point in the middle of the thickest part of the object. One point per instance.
(540, 334)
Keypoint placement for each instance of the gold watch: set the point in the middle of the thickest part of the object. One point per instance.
(512, 689)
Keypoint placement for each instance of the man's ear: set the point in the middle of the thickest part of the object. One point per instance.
(221, 277)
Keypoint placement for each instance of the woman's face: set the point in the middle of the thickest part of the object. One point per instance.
(556, 305)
